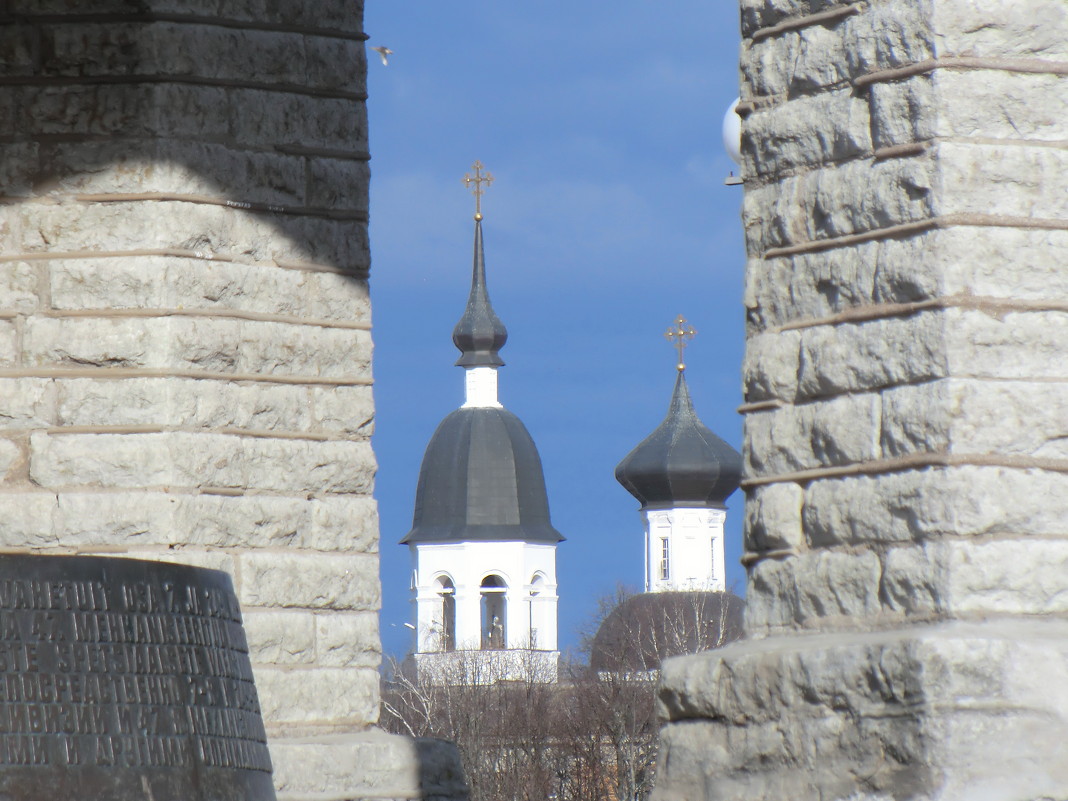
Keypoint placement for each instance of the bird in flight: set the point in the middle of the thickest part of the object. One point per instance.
(384, 52)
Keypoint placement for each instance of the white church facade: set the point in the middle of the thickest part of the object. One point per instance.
(483, 547)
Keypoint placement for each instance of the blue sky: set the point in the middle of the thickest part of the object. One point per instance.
(600, 122)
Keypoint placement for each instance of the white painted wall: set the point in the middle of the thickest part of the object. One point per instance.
(525, 567)
(694, 538)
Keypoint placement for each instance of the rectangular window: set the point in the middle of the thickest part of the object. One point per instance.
(665, 559)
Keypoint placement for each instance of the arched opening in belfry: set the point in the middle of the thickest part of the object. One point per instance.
(446, 614)
(537, 587)
(494, 634)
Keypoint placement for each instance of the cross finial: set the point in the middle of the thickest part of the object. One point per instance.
(478, 179)
(679, 335)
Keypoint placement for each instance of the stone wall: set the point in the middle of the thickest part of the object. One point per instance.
(185, 349)
(906, 218)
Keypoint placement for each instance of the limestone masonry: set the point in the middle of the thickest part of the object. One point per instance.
(185, 349)
(906, 219)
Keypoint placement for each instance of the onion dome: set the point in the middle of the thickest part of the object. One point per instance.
(682, 463)
(481, 480)
(480, 334)
(641, 631)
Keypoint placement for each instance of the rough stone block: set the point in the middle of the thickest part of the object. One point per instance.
(812, 588)
(950, 710)
(244, 522)
(843, 430)
(27, 403)
(828, 55)
(198, 343)
(975, 178)
(19, 286)
(348, 410)
(1001, 28)
(171, 166)
(966, 501)
(850, 198)
(872, 355)
(11, 456)
(892, 104)
(309, 581)
(369, 764)
(124, 519)
(280, 638)
(965, 416)
(1006, 346)
(8, 340)
(331, 698)
(200, 460)
(344, 523)
(773, 517)
(771, 366)
(809, 131)
(186, 402)
(348, 640)
(26, 519)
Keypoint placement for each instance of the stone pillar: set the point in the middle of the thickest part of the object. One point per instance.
(906, 216)
(185, 330)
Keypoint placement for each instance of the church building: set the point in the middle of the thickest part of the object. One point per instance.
(682, 474)
(482, 544)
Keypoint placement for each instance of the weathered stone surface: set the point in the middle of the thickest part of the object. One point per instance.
(199, 343)
(19, 286)
(309, 581)
(771, 366)
(773, 517)
(280, 638)
(329, 699)
(880, 353)
(349, 640)
(986, 262)
(26, 520)
(966, 501)
(8, 338)
(27, 403)
(197, 403)
(809, 131)
(370, 764)
(186, 284)
(347, 410)
(843, 430)
(849, 198)
(10, 456)
(913, 708)
(822, 587)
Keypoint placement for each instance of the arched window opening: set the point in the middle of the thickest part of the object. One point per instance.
(494, 634)
(447, 594)
(537, 587)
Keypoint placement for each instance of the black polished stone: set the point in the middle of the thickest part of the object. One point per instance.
(125, 680)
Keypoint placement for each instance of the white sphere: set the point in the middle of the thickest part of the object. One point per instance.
(732, 132)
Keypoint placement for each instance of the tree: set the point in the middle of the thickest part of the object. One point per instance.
(593, 735)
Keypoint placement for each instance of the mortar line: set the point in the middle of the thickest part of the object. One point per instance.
(882, 311)
(156, 80)
(191, 19)
(833, 15)
(229, 431)
(227, 314)
(153, 372)
(969, 219)
(208, 200)
(1022, 65)
(917, 461)
(181, 253)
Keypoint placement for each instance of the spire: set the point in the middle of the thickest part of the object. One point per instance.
(480, 334)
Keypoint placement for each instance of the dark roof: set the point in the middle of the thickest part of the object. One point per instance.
(480, 334)
(641, 631)
(481, 480)
(682, 462)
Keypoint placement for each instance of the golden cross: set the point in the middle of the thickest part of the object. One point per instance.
(679, 336)
(478, 180)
